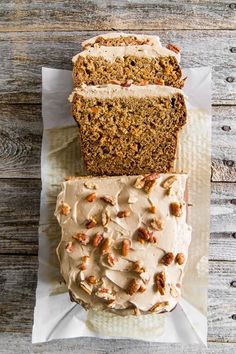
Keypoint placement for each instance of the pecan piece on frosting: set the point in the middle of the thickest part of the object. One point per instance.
(173, 47)
(108, 199)
(123, 213)
(142, 289)
(91, 279)
(91, 197)
(167, 259)
(176, 209)
(139, 183)
(91, 222)
(81, 237)
(70, 247)
(152, 209)
(137, 267)
(88, 288)
(179, 258)
(158, 306)
(149, 185)
(64, 209)
(97, 239)
(157, 224)
(133, 287)
(105, 294)
(105, 247)
(167, 183)
(111, 259)
(125, 247)
(151, 176)
(160, 282)
(106, 217)
(145, 235)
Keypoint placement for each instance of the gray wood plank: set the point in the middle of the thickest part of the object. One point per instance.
(96, 15)
(18, 281)
(23, 55)
(11, 341)
(19, 215)
(20, 136)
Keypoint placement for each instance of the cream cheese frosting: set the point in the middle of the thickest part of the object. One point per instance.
(111, 91)
(124, 241)
(153, 40)
(111, 53)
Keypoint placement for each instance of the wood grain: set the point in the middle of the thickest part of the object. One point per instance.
(19, 215)
(106, 15)
(23, 55)
(18, 282)
(11, 341)
(20, 136)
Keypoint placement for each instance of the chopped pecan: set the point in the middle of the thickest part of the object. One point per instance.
(137, 267)
(173, 48)
(70, 247)
(167, 259)
(159, 82)
(125, 246)
(160, 282)
(91, 222)
(133, 287)
(143, 83)
(149, 186)
(176, 209)
(157, 224)
(151, 176)
(167, 183)
(128, 83)
(139, 183)
(111, 259)
(97, 239)
(123, 213)
(88, 288)
(152, 239)
(64, 209)
(152, 209)
(108, 199)
(141, 289)
(82, 266)
(180, 259)
(85, 258)
(91, 279)
(158, 306)
(105, 247)
(106, 217)
(144, 234)
(82, 238)
(105, 294)
(91, 197)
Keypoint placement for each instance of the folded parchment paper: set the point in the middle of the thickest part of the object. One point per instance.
(55, 315)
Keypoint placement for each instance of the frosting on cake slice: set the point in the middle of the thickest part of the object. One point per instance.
(124, 241)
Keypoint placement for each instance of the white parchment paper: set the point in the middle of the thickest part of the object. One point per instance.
(55, 316)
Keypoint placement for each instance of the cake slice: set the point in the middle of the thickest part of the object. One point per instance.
(124, 242)
(120, 39)
(143, 64)
(128, 130)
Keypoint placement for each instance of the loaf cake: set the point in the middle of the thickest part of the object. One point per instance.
(143, 64)
(124, 241)
(128, 129)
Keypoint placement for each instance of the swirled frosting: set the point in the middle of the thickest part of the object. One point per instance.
(124, 241)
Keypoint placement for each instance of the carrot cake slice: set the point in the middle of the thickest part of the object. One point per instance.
(143, 64)
(124, 241)
(128, 129)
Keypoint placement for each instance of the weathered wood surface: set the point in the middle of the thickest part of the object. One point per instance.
(23, 55)
(19, 213)
(11, 341)
(39, 15)
(18, 282)
(20, 136)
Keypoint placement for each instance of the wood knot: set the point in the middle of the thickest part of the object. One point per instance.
(234, 235)
(233, 201)
(229, 163)
(226, 128)
(233, 283)
(232, 6)
(233, 317)
(233, 50)
(230, 79)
